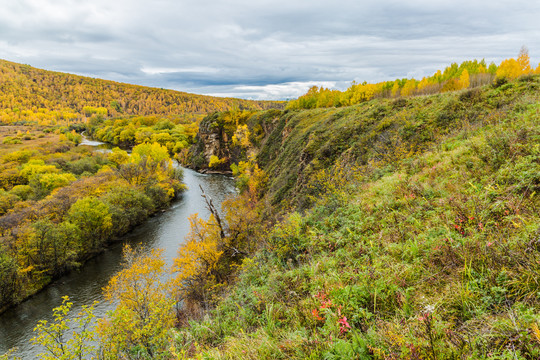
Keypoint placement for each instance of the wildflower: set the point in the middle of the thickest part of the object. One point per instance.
(343, 325)
(326, 304)
(321, 295)
(316, 315)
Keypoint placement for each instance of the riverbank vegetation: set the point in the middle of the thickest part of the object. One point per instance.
(60, 204)
(174, 133)
(393, 229)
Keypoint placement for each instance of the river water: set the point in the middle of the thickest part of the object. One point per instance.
(165, 231)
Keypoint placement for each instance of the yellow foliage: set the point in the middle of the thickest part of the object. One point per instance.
(512, 68)
(144, 314)
(395, 89)
(523, 61)
(509, 68)
(464, 80)
(241, 136)
(423, 83)
(408, 88)
(536, 332)
(198, 257)
(249, 176)
(215, 161)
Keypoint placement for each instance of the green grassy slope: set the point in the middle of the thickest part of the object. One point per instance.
(419, 236)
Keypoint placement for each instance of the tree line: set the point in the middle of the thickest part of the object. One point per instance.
(469, 74)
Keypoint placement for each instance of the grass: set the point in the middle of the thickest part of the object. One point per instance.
(429, 248)
(35, 138)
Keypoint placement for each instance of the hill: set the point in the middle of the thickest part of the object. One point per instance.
(35, 95)
(401, 229)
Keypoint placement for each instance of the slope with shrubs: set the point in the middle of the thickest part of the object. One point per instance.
(419, 237)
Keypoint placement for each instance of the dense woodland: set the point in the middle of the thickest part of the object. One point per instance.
(400, 227)
(60, 204)
(28, 94)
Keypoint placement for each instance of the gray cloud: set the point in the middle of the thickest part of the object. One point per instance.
(262, 49)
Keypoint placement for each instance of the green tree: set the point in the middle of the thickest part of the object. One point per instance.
(93, 219)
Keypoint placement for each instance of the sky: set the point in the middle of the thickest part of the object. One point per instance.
(262, 49)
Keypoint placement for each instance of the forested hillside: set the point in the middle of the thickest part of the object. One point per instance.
(28, 94)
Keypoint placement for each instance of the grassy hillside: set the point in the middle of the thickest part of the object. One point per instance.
(418, 238)
(31, 94)
(393, 229)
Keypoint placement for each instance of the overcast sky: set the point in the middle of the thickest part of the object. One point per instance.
(262, 49)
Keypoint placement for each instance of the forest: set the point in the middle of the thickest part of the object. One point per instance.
(403, 225)
(28, 94)
(60, 204)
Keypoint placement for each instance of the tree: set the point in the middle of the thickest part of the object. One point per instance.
(408, 88)
(48, 247)
(523, 60)
(509, 69)
(8, 276)
(512, 68)
(395, 88)
(138, 327)
(57, 342)
(92, 217)
(197, 262)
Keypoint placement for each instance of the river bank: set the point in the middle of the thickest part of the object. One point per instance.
(165, 230)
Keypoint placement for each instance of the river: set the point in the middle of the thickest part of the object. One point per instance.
(166, 231)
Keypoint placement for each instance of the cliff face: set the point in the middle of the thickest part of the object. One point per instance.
(216, 138)
(298, 149)
(212, 140)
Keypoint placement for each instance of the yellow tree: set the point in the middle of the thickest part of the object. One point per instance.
(464, 79)
(241, 136)
(523, 61)
(196, 265)
(395, 89)
(408, 88)
(509, 69)
(423, 84)
(138, 328)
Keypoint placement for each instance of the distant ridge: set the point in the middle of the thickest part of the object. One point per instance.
(26, 88)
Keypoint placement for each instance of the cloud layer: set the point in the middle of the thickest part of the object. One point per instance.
(262, 49)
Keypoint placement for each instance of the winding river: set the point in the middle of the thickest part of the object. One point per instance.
(166, 231)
